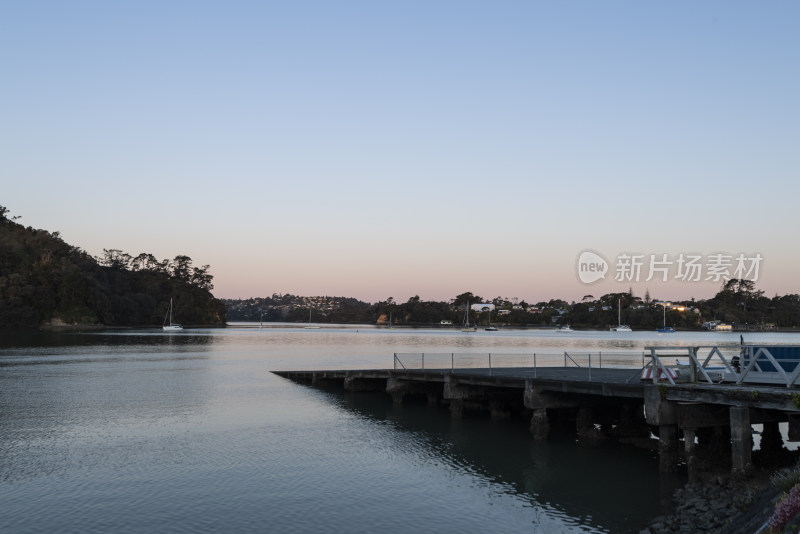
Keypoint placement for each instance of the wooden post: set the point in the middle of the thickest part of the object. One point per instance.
(741, 440)
(689, 435)
(667, 448)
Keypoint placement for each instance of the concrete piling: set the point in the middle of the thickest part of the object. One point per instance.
(715, 422)
(741, 439)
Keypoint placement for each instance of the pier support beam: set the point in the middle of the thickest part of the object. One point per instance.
(397, 389)
(772, 452)
(659, 411)
(453, 390)
(322, 380)
(534, 399)
(692, 464)
(741, 439)
(664, 414)
(667, 448)
(794, 427)
(540, 424)
(456, 394)
(771, 439)
(357, 383)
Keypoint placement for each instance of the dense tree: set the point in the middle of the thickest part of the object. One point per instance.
(44, 280)
(782, 311)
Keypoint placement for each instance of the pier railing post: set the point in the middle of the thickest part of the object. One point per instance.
(534, 365)
(490, 364)
(600, 354)
(590, 367)
(654, 365)
(452, 361)
(423, 361)
(395, 361)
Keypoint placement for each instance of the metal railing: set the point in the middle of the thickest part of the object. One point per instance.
(490, 361)
(711, 364)
(717, 364)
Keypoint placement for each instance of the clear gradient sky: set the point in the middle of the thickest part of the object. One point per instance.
(375, 149)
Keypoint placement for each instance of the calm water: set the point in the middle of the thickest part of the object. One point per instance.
(138, 431)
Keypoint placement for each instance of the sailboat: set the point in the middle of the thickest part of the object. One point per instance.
(620, 327)
(490, 328)
(170, 327)
(310, 326)
(665, 329)
(467, 327)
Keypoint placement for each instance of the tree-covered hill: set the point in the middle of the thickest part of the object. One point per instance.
(45, 281)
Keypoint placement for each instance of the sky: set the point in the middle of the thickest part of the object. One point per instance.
(392, 149)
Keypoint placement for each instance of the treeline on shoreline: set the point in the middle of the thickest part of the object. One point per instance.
(738, 302)
(45, 281)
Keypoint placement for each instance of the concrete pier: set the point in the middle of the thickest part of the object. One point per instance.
(741, 438)
(714, 420)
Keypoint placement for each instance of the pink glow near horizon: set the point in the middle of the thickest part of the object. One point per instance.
(449, 155)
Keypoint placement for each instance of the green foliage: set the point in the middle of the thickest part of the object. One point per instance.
(796, 400)
(43, 280)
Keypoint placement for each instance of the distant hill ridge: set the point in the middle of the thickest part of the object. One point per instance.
(47, 282)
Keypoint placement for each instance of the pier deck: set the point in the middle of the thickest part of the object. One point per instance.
(604, 382)
(595, 398)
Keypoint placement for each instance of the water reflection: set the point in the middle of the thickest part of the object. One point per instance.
(137, 430)
(60, 393)
(608, 487)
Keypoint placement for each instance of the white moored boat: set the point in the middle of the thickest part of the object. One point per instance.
(620, 327)
(169, 326)
(468, 327)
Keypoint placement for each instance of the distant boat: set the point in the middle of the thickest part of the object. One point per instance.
(665, 329)
(170, 326)
(620, 327)
(310, 326)
(467, 327)
(565, 328)
(490, 328)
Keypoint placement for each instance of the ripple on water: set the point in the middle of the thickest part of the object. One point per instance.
(141, 433)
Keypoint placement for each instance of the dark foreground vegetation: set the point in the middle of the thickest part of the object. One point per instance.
(45, 281)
